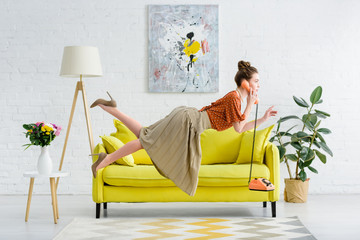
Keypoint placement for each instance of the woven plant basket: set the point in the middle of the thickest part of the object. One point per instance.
(296, 191)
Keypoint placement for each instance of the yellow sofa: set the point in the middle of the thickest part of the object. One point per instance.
(223, 175)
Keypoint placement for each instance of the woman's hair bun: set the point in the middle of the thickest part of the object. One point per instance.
(243, 65)
(245, 72)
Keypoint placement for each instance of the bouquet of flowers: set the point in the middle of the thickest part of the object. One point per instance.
(41, 134)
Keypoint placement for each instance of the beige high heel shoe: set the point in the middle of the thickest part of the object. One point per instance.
(102, 156)
(110, 103)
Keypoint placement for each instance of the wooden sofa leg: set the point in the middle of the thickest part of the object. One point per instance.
(98, 210)
(105, 205)
(273, 209)
(264, 204)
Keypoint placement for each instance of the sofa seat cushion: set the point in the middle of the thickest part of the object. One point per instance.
(226, 175)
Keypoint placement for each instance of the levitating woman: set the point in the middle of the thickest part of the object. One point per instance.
(173, 143)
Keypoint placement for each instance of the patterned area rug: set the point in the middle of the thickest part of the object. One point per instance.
(185, 228)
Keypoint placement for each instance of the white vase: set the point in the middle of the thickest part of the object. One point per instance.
(44, 164)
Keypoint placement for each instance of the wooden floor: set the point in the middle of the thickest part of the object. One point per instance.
(325, 216)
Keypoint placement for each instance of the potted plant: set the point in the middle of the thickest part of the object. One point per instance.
(302, 146)
(42, 134)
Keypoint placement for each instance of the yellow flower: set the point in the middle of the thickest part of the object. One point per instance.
(42, 129)
(47, 133)
(48, 128)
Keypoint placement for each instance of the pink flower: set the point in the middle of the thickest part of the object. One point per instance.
(38, 123)
(57, 133)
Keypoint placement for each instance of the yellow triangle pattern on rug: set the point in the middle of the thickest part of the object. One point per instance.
(208, 224)
(185, 228)
(161, 226)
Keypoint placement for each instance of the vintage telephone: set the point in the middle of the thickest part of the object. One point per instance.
(245, 84)
(257, 184)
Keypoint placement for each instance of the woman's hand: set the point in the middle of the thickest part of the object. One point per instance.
(252, 96)
(269, 113)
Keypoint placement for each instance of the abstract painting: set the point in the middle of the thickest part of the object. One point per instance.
(183, 48)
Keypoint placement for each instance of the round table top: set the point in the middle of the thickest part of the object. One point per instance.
(34, 174)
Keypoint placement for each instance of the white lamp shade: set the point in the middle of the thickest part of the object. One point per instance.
(81, 60)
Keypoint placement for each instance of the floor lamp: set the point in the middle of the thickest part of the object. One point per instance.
(79, 62)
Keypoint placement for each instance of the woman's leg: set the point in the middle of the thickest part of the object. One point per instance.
(125, 150)
(129, 122)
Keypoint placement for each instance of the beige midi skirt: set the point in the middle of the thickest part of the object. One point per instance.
(173, 144)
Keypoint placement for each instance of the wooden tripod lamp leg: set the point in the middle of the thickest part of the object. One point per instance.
(68, 129)
(87, 115)
(79, 87)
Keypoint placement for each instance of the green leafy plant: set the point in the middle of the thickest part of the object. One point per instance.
(308, 144)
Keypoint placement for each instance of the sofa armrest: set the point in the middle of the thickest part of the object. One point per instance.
(272, 160)
(98, 183)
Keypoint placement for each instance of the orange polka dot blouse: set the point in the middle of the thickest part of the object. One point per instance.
(224, 111)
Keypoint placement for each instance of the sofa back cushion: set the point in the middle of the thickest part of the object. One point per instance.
(125, 135)
(261, 140)
(220, 147)
(217, 147)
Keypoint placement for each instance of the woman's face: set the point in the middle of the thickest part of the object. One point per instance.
(254, 82)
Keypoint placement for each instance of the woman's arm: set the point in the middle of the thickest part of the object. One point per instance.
(251, 98)
(250, 125)
(242, 126)
(238, 126)
(245, 126)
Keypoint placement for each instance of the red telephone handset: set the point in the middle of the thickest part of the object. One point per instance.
(245, 84)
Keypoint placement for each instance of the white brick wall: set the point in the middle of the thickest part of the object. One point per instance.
(296, 45)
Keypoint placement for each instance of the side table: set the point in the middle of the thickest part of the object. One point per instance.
(52, 176)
